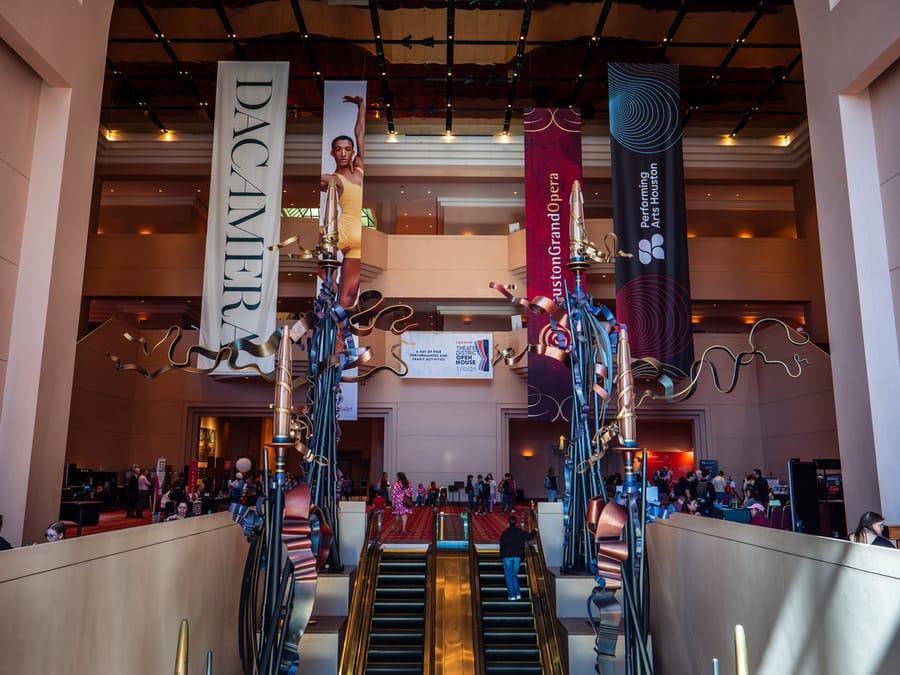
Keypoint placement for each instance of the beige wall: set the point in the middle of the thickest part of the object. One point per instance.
(113, 602)
(16, 148)
(847, 49)
(809, 605)
(59, 77)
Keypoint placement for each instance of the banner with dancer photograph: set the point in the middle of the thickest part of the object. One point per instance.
(552, 164)
(240, 277)
(343, 153)
(653, 294)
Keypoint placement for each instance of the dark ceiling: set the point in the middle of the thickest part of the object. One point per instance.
(432, 64)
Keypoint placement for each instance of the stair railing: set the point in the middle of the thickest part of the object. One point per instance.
(545, 618)
(356, 643)
(475, 595)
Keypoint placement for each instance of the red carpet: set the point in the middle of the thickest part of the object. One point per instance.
(419, 525)
(109, 520)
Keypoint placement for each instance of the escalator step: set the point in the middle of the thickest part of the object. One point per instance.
(400, 593)
(509, 636)
(504, 606)
(507, 621)
(394, 668)
(401, 579)
(523, 668)
(511, 654)
(397, 636)
(404, 621)
(399, 607)
(397, 655)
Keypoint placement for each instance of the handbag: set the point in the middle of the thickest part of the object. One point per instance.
(407, 500)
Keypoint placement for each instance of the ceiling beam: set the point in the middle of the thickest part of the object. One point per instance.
(517, 63)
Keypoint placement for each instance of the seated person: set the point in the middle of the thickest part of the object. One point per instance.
(691, 507)
(56, 531)
(182, 510)
(420, 495)
(677, 505)
(758, 515)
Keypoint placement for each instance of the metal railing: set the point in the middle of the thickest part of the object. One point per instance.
(355, 647)
(544, 616)
(475, 595)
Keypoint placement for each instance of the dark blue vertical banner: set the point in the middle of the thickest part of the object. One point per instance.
(653, 294)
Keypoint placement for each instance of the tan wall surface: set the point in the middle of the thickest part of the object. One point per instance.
(809, 605)
(112, 602)
(64, 44)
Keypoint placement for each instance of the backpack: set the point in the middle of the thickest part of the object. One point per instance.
(506, 487)
(547, 482)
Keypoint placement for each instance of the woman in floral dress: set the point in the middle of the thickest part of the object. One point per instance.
(399, 490)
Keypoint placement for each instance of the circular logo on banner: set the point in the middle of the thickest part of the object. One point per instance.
(656, 310)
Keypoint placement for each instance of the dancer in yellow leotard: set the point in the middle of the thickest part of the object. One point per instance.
(349, 183)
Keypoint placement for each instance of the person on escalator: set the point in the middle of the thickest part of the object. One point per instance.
(512, 550)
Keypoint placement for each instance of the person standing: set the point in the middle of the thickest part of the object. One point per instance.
(492, 491)
(512, 550)
(143, 493)
(470, 493)
(718, 483)
(508, 494)
(550, 484)
(401, 501)
(131, 491)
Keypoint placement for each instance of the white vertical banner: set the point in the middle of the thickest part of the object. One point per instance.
(240, 279)
(343, 155)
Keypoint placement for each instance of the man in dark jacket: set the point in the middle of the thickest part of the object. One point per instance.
(131, 492)
(512, 550)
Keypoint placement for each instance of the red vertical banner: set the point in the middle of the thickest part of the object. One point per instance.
(552, 164)
(192, 478)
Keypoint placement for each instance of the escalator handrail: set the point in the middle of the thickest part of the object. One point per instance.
(353, 652)
(547, 625)
(475, 583)
(430, 599)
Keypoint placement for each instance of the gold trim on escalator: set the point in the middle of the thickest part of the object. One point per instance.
(354, 649)
(475, 581)
(545, 619)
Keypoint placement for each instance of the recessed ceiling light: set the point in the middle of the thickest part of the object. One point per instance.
(429, 213)
(159, 189)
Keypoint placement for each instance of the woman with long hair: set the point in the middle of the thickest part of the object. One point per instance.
(870, 530)
(401, 500)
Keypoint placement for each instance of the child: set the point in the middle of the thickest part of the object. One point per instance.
(378, 505)
(420, 499)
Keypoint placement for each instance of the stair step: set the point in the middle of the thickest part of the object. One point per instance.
(524, 668)
(398, 621)
(512, 654)
(510, 636)
(396, 655)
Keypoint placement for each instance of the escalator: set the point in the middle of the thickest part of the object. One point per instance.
(509, 632)
(397, 632)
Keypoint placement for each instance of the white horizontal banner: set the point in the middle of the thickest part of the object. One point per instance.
(448, 355)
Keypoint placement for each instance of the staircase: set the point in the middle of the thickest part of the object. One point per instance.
(397, 630)
(509, 634)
